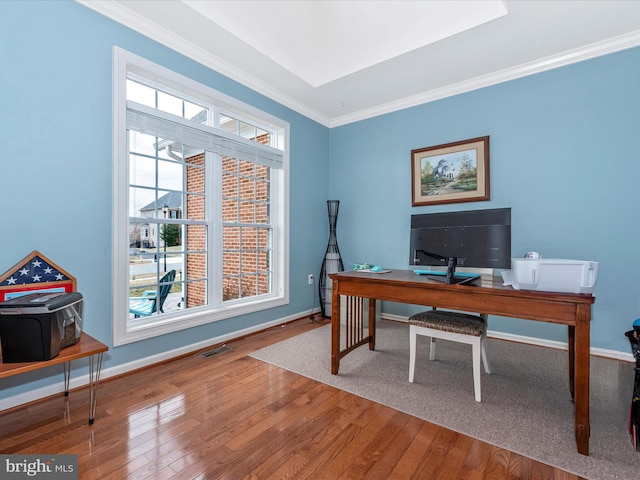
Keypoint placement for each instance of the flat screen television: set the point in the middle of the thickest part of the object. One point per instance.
(473, 238)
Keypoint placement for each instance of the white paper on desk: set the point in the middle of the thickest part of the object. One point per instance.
(368, 270)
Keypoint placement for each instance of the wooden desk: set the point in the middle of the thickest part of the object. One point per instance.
(573, 310)
(87, 346)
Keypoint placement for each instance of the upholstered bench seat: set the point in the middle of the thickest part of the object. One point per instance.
(454, 322)
(453, 326)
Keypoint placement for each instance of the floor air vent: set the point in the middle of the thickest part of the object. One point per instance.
(215, 351)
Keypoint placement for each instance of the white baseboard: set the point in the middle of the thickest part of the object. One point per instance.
(540, 342)
(80, 381)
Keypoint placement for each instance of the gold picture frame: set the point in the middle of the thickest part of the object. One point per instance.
(450, 173)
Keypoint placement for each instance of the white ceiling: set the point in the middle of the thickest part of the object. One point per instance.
(324, 41)
(342, 61)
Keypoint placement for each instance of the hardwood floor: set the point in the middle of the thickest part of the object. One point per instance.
(230, 416)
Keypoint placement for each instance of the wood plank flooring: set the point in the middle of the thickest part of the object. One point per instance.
(233, 417)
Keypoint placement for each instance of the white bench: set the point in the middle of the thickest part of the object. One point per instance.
(454, 326)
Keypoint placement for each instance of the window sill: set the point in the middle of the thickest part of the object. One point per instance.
(150, 327)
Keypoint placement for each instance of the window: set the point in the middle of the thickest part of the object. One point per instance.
(200, 189)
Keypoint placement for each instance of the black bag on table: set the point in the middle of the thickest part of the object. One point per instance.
(634, 410)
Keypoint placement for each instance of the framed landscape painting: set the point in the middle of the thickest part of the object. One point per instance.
(451, 173)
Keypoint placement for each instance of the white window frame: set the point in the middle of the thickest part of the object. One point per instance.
(124, 63)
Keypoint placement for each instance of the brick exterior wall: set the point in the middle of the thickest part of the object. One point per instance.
(195, 293)
(246, 251)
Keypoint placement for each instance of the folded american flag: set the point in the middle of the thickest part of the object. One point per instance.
(34, 273)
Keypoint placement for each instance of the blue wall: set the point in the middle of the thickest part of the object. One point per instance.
(56, 165)
(564, 157)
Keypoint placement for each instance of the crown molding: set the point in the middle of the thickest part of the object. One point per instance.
(136, 22)
(145, 27)
(577, 55)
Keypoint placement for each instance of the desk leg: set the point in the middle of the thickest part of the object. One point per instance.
(372, 324)
(572, 360)
(582, 372)
(94, 379)
(335, 328)
(67, 376)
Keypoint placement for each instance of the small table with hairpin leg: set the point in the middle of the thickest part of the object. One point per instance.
(87, 346)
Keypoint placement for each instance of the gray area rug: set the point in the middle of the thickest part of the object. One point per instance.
(526, 405)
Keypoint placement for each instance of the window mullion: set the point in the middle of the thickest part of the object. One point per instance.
(213, 175)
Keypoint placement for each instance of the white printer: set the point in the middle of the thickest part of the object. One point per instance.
(551, 274)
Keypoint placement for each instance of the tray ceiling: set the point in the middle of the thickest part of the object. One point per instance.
(342, 61)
